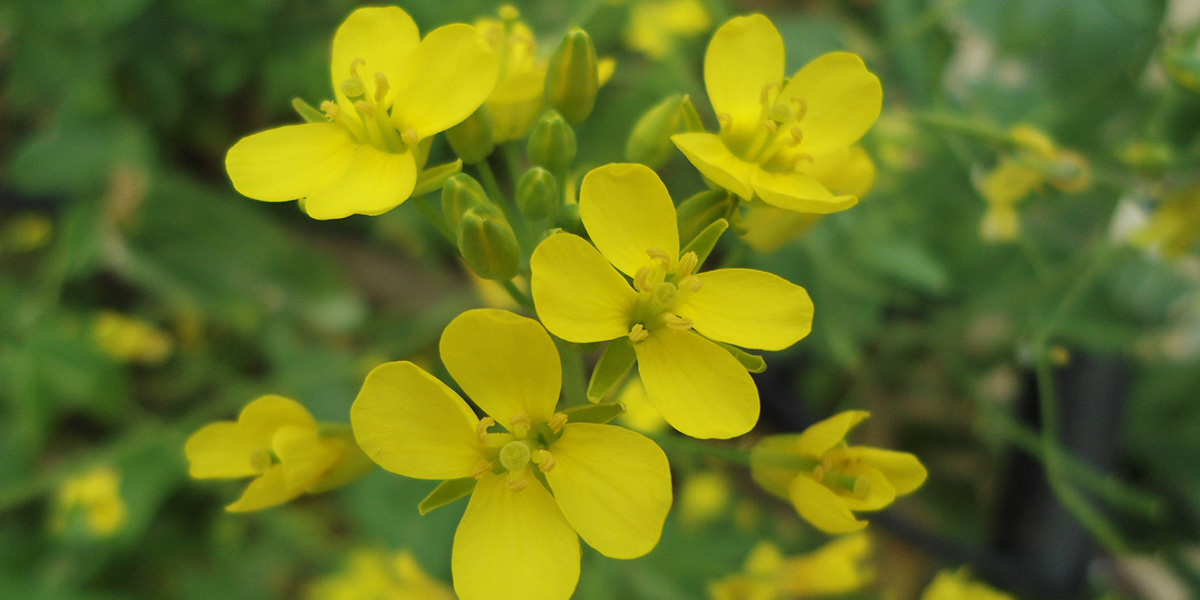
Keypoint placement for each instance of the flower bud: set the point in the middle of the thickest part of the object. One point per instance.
(700, 211)
(459, 194)
(552, 143)
(537, 194)
(572, 79)
(473, 140)
(650, 141)
(568, 219)
(488, 243)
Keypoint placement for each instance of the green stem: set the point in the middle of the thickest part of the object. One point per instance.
(435, 218)
(516, 293)
(965, 126)
(519, 225)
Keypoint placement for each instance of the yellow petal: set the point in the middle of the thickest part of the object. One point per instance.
(842, 97)
(744, 57)
(700, 389)
(749, 308)
(265, 415)
(287, 163)
(902, 469)
(849, 171)
(374, 183)
(768, 228)
(222, 451)
(821, 507)
(516, 104)
(412, 424)
(449, 76)
(266, 490)
(613, 485)
(819, 438)
(506, 363)
(579, 296)
(872, 491)
(514, 545)
(383, 37)
(627, 211)
(799, 192)
(835, 568)
(767, 453)
(709, 155)
(305, 457)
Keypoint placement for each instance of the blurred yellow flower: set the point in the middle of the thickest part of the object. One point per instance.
(655, 25)
(1174, 227)
(378, 575)
(25, 232)
(93, 499)
(639, 414)
(130, 339)
(538, 483)
(394, 92)
(958, 585)
(704, 497)
(276, 441)
(580, 295)
(775, 130)
(825, 479)
(836, 568)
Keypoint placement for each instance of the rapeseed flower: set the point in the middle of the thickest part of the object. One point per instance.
(538, 483)
(836, 568)
(1174, 226)
(673, 315)
(958, 585)
(131, 339)
(279, 443)
(655, 25)
(378, 575)
(393, 91)
(773, 131)
(92, 499)
(825, 479)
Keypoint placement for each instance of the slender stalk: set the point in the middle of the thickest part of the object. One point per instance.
(962, 125)
(435, 218)
(519, 225)
(517, 295)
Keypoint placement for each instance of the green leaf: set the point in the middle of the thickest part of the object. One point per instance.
(612, 368)
(447, 492)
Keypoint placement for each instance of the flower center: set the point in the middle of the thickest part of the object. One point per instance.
(663, 285)
(778, 134)
(370, 123)
(515, 456)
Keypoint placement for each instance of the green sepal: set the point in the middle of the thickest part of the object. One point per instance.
(447, 492)
(473, 140)
(537, 194)
(753, 362)
(488, 244)
(701, 210)
(460, 193)
(552, 143)
(572, 77)
(706, 240)
(431, 180)
(691, 118)
(307, 112)
(612, 368)
(594, 413)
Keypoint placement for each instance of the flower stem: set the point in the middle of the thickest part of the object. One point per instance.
(515, 220)
(436, 219)
(517, 295)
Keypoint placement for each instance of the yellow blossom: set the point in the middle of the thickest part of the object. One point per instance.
(93, 497)
(279, 443)
(130, 339)
(958, 585)
(639, 414)
(1174, 227)
(825, 479)
(703, 497)
(655, 25)
(538, 483)
(393, 91)
(774, 131)
(833, 569)
(673, 315)
(377, 575)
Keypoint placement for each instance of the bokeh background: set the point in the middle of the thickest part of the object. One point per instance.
(141, 296)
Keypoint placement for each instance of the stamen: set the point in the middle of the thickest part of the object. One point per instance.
(638, 333)
(769, 125)
(331, 110)
(794, 161)
(691, 283)
(481, 429)
(354, 65)
(366, 108)
(765, 98)
(481, 468)
(517, 483)
(644, 279)
(519, 424)
(381, 87)
(410, 137)
(557, 421)
(687, 264)
(797, 135)
(677, 322)
(544, 460)
(802, 107)
(818, 473)
(660, 256)
(724, 120)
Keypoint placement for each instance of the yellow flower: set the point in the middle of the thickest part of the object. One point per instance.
(774, 131)
(538, 483)
(639, 414)
(130, 339)
(957, 585)
(276, 441)
(94, 496)
(849, 171)
(655, 25)
(394, 91)
(833, 569)
(698, 386)
(1174, 227)
(703, 497)
(825, 479)
(377, 575)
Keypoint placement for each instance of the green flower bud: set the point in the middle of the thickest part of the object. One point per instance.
(650, 141)
(460, 193)
(703, 209)
(488, 243)
(567, 219)
(552, 143)
(537, 194)
(472, 140)
(572, 79)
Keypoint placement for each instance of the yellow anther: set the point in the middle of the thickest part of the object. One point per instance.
(687, 264)
(260, 460)
(331, 110)
(353, 88)
(644, 279)
(514, 456)
(691, 283)
(509, 12)
(557, 421)
(517, 483)
(366, 108)
(769, 125)
(818, 473)
(481, 468)
(410, 137)
(638, 333)
(354, 65)
(381, 87)
(677, 322)
(519, 424)
(660, 256)
(797, 135)
(724, 120)
(796, 158)
(544, 460)
(767, 90)
(801, 107)
(481, 429)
